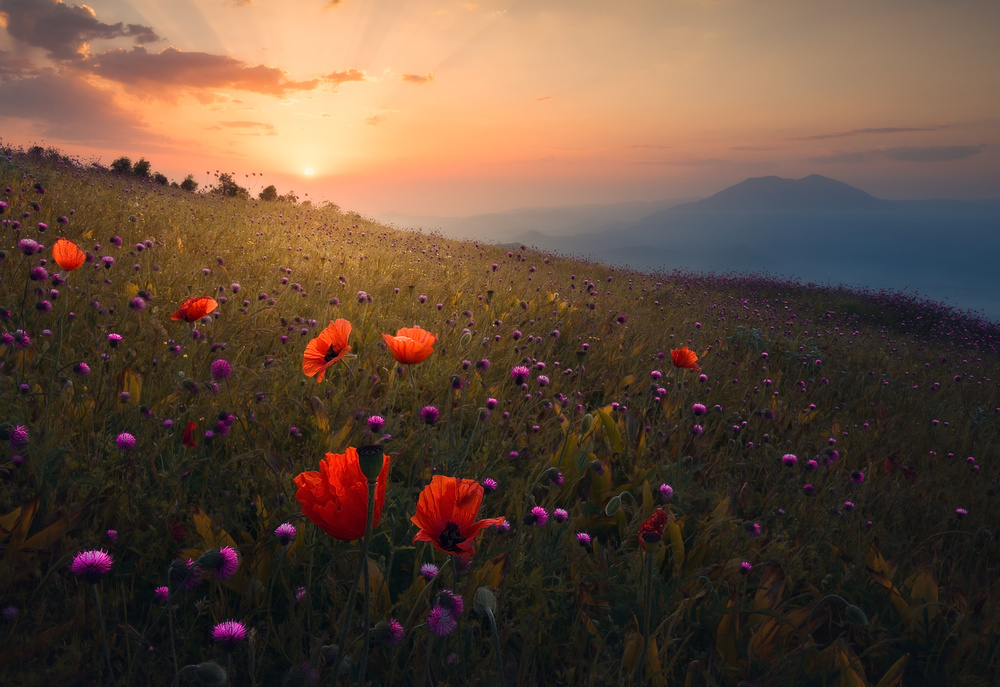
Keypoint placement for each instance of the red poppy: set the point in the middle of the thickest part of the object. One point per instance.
(411, 345)
(68, 255)
(685, 357)
(652, 530)
(195, 308)
(326, 349)
(446, 515)
(336, 497)
(188, 439)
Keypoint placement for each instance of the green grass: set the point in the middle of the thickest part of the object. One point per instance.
(898, 589)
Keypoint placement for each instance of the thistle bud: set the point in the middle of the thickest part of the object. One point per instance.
(856, 615)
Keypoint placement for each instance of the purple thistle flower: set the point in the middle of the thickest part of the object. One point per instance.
(542, 380)
(583, 539)
(451, 602)
(91, 566)
(30, 246)
(161, 595)
(536, 516)
(229, 634)
(848, 505)
(429, 415)
(789, 459)
(666, 492)
(560, 515)
(112, 535)
(745, 568)
(753, 529)
(502, 527)
(857, 477)
(38, 274)
(396, 633)
(519, 373)
(491, 403)
(285, 533)
(376, 423)
(698, 409)
(441, 622)
(137, 304)
(961, 513)
(489, 485)
(428, 571)
(221, 369)
(114, 340)
(808, 489)
(19, 438)
(230, 562)
(125, 441)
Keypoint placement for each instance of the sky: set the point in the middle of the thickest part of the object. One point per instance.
(454, 108)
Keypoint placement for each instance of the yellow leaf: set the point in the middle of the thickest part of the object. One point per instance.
(924, 589)
(320, 414)
(203, 525)
(633, 647)
(611, 430)
(852, 673)
(7, 522)
(133, 290)
(567, 451)
(130, 382)
(894, 676)
(337, 442)
(19, 529)
(379, 597)
(647, 499)
(725, 636)
(180, 245)
(676, 544)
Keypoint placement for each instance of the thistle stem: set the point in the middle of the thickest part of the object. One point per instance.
(641, 669)
(104, 634)
(496, 645)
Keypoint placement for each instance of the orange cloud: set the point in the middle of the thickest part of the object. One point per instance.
(337, 78)
(418, 78)
(173, 67)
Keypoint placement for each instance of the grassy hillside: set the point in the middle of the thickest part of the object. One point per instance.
(828, 476)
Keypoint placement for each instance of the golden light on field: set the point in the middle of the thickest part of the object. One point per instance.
(308, 171)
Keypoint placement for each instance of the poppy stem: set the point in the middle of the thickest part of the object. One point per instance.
(353, 594)
(641, 668)
(367, 602)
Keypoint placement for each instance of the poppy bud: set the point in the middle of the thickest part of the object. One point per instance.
(586, 423)
(208, 673)
(857, 616)
(614, 505)
(466, 338)
(370, 458)
(483, 600)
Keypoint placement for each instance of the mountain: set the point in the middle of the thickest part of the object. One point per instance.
(549, 221)
(817, 229)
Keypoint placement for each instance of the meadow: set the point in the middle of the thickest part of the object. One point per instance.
(685, 478)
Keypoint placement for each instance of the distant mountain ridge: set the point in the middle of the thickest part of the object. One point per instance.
(814, 191)
(815, 228)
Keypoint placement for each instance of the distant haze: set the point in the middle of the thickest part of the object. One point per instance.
(816, 229)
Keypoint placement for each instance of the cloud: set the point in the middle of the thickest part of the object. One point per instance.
(904, 154)
(64, 30)
(544, 97)
(418, 78)
(249, 125)
(13, 67)
(933, 153)
(337, 78)
(646, 146)
(71, 109)
(333, 3)
(173, 67)
(880, 130)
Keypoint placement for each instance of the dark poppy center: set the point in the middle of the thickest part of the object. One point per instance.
(450, 537)
(331, 353)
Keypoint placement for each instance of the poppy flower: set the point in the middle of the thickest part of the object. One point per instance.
(326, 349)
(336, 497)
(652, 530)
(411, 345)
(685, 357)
(195, 308)
(188, 439)
(446, 515)
(68, 255)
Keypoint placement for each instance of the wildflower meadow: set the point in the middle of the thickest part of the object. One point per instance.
(274, 443)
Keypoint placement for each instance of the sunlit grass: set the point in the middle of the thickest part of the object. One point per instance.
(870, 569)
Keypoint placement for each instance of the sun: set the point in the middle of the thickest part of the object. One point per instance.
(308, 171)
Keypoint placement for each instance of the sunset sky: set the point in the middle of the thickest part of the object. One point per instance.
(451, 108)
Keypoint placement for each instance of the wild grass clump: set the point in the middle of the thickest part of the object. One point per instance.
(816, 503)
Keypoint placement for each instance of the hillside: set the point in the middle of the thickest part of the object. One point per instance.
(589, 474)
